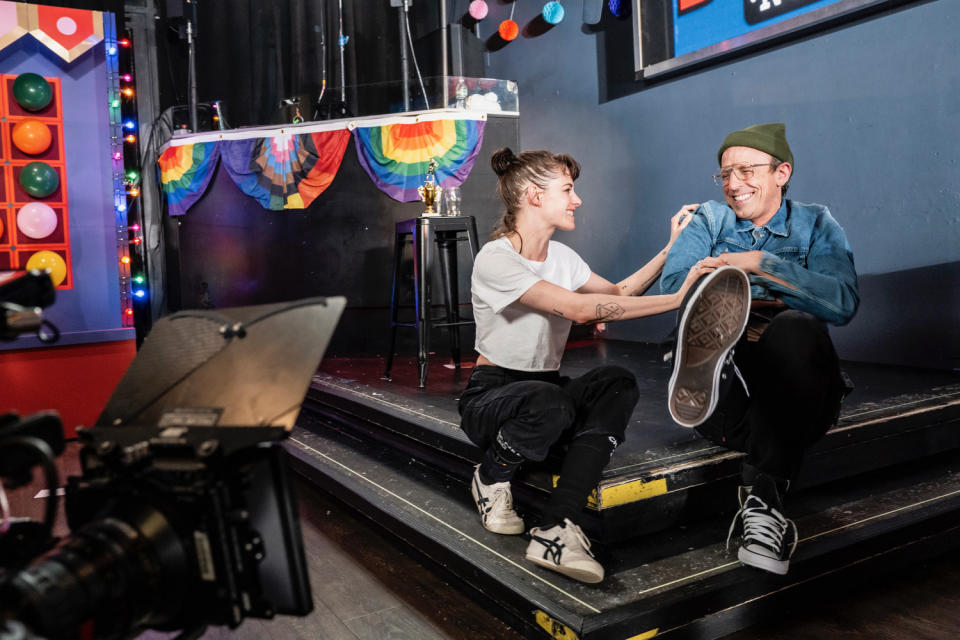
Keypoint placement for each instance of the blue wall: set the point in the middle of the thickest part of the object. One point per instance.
(90, 311)
(873, 118)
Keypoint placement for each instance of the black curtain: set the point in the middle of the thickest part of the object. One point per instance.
(252, 54)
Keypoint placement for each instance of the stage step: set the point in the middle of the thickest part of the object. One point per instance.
(664, 475)
(680, 583)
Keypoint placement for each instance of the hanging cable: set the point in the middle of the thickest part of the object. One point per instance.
(413, 54)
(342, 41)
(323, 58)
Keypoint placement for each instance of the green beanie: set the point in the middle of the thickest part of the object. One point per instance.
(771, 138)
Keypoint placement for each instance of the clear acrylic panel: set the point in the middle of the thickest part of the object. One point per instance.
(489, 95)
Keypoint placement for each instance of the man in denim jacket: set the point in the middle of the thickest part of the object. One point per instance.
(776, 390)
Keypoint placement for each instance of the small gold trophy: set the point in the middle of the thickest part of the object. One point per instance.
(429, 192)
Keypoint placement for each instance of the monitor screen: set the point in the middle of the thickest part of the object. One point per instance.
(683, 34)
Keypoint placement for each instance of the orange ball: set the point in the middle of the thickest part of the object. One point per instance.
(32, 136)
(508, 30)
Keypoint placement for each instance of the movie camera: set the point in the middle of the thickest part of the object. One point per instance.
(176, 522)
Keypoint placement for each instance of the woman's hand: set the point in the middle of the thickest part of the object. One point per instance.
(701, 268)
(680, 220)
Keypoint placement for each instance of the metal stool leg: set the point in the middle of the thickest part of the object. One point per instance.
(472, 237)
(423, 267)
(448, 271)
(398, 242)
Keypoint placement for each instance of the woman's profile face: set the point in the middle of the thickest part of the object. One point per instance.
(558, 201)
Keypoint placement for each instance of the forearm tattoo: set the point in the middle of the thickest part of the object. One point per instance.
(642, 287)
(649, 281)
(558, 313)
(608, 311)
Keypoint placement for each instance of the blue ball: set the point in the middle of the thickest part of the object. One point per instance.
(617, 8)
(553, 12)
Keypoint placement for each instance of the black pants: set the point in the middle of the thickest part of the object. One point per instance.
(794, 383)
(531, 412)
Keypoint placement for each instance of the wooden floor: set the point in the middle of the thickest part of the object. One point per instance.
(366, 586)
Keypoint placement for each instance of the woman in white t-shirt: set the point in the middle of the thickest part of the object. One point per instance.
(527, 290)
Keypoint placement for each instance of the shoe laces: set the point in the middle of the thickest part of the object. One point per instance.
(502, 500)
(577, 534)
(763, 524)
(736, 371)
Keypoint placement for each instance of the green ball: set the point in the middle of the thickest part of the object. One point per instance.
(39, 179)
(31, 91)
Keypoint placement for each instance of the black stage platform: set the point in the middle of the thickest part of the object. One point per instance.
(882, 488)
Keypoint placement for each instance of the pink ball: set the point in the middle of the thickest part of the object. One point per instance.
(36, 220)
(478, 9)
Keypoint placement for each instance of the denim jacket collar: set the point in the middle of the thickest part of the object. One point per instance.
(778, 225)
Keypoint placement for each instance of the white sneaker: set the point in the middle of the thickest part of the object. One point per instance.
(711, 322)
(565, 549)
(495, 504)
(762, 543)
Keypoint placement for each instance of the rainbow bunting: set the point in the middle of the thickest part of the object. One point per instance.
(396, 156)
(286, 171)
(185, 172)
(321, 155)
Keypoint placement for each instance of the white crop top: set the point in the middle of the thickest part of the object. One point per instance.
(510, 334)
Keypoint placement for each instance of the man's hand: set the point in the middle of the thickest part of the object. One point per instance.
(749, 261)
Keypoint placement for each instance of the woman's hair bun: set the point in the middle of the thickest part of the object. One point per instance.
(501, 160)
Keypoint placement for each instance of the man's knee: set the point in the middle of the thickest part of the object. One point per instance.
(791, 325)
(796, 335)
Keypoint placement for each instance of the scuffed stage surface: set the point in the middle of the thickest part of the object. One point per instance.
(894, 415)
(880, 491)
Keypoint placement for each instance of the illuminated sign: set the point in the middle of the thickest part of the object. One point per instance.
(679, 34)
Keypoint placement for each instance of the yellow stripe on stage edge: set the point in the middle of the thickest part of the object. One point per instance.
(555, 628)
(645, 635)
(624, 493)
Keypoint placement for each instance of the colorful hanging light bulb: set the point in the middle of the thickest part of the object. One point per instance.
(552, 12)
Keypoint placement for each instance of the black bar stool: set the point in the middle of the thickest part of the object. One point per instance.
(426, 233)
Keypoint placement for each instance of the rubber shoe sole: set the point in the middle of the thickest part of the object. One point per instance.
(589, 575)
(761, 561)
(710, 325)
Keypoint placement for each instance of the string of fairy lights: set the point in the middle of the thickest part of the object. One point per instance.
(125, 157)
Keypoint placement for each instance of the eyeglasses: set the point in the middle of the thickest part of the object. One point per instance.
(743, 172)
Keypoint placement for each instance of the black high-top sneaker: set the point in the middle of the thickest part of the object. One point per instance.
(768, 539)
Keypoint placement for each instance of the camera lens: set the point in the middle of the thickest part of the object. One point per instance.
(118, 573)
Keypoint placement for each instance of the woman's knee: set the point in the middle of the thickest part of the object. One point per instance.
(616, 381)
(546, 401)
